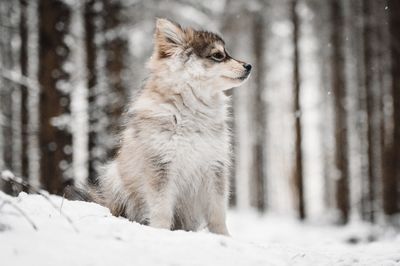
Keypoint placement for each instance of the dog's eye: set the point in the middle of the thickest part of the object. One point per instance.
(218, 56)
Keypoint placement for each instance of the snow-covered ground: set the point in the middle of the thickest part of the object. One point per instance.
(101, 239)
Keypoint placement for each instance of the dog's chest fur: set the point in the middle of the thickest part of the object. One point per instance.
(199, 140)
(191, 138)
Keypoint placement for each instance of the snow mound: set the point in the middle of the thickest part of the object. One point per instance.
(94, 237)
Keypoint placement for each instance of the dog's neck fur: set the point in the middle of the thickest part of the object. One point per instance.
(184, 95)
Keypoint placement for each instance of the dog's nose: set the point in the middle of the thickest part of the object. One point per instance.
(247, 67)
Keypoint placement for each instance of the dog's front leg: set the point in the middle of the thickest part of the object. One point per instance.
(161, 195)
(217, 217)
(161, 210)
(218, 201)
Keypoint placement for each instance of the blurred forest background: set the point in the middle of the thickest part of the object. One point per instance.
(316, 130)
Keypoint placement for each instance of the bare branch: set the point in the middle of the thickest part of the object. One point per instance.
(18, 78)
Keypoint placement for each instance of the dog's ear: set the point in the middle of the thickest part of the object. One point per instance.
(169, 37)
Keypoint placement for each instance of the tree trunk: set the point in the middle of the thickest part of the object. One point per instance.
(228, 28)
(368, 82)
(9, 91)
(298, 163)
(90, 16)
(391, 182)
(5, 100)
(116, 49)
(7, 64)
(23, 30)
(55, 138)
(33, 92)
(339, 97)
(259, 160)
(382, 62)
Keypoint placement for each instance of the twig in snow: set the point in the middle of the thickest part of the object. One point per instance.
(15, 206)
(69, 220)
(10, 177)
(62, 202)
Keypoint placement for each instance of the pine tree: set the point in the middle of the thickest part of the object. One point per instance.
(392, 169)
(298, 164)
(54, 133)
(23, 31)
(259, 108)
(339, 95)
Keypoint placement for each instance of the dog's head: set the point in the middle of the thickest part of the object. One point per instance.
(198, 57)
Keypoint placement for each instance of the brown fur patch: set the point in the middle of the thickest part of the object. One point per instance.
(117, 210)
(160, 170)
(202, 43)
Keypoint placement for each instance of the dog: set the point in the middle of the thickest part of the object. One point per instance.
(171, 170)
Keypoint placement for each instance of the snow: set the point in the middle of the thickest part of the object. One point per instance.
(103, 239)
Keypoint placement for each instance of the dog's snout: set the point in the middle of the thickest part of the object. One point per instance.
(247, 67)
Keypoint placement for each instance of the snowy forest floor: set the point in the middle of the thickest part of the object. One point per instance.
(102, 239)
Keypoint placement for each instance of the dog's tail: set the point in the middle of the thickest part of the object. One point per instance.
(88, 192)
(73, 192)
